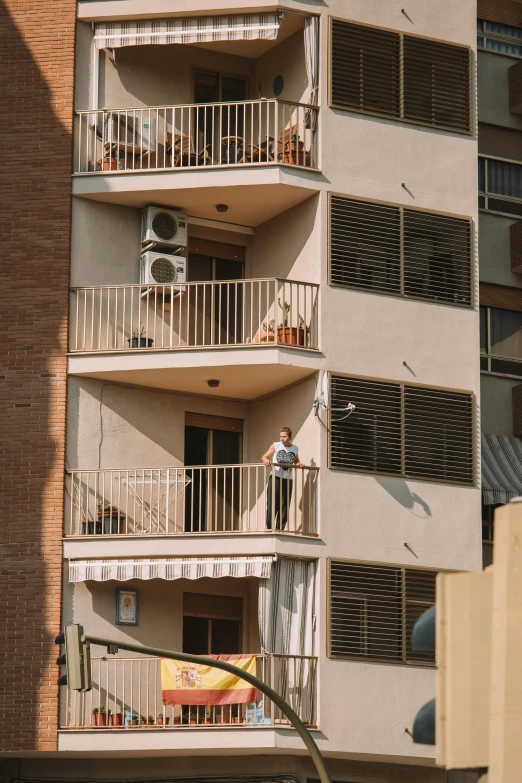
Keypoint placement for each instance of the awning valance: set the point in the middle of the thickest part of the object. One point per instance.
(201, 29)
(501, 468)
(169, 568)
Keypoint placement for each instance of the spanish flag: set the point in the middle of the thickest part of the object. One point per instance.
(188, 683)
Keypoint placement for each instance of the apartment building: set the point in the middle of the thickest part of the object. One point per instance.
(500, 165)
(273, 223)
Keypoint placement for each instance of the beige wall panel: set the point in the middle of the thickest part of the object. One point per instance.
(496, 404)
(287, 60)
(493, 90)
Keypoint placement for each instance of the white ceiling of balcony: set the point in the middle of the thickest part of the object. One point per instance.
(244, 374)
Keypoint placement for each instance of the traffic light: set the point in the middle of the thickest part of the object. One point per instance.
(76, 658)
(423, 639)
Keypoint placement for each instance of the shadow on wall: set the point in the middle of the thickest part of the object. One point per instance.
(399, 490)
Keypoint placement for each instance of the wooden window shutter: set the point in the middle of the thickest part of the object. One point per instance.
(365, 68)
(438, 435)
(437, 84)
(365, 244)
(369, 439)
(221, 607)
(419, 588)
(506, 12)
(503, 297)
(372, 610)
(437, 257)
(210, 422)
(499, 142)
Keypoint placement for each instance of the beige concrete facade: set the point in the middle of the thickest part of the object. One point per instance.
(127, 409)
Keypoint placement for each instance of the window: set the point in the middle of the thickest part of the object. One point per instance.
(212, 624)
(382, 72)
(501, 341)
(499, 38)
(488, 527)
(373, 608)
(500, 178)
(401, 430)
(400, 251)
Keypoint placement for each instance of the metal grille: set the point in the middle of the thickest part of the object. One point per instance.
(436, 84)
(403, 430)
(373, 609)
(400, 251)
(438, 435)
(378, 71)
(163, 270)
(164, 226)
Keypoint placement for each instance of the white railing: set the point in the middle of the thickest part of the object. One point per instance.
(261, 132)
(170, 501)
(126, 693)
(189, 315)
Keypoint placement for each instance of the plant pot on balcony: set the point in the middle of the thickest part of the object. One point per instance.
(264, 337)
(99, 718)
(177, 720)
(294, 153)
(116, 719)
(134, 722)
(291, 335)
(111, 521)
(109, 164)
(140, 342)
(161, 721)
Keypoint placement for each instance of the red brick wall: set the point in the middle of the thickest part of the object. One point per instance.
(36, 88)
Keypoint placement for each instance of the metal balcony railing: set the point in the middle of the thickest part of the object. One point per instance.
(245, 133)
(126, 693)
(171, 501)
(188, 315)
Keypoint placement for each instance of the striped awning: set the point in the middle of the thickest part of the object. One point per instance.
(501, 468)
(169, 568)
(201, 29)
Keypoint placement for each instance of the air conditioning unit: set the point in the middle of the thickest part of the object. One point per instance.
(164, 226)
(134, 130)
(162, 269)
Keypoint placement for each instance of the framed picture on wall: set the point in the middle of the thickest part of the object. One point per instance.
(126, 607)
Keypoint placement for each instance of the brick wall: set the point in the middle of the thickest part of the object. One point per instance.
(36, 79)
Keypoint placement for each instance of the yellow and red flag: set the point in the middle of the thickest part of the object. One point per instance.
(188, 683)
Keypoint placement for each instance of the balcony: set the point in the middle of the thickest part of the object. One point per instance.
(231, 499)
(199, 155)
(273, 321)
(129, 691)
(197, 136)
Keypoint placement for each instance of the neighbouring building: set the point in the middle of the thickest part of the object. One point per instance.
(250, 217)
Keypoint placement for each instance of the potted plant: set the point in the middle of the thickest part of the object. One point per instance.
(143, 720)
(193, 717)
(161, 720)
(132, 720)
(99, 717)
(266, 334)
(290, 335)
(139, 340)
(177, 720)
(115, 719)
(110, 519)
(150, 720)
(294, 151)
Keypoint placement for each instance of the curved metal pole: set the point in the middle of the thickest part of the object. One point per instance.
(285, 708)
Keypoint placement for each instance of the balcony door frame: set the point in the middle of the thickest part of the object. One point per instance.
(227, 127)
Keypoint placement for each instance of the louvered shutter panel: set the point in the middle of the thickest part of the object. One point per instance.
(437, 257)
(419, 589)
(365, 245)
(438, 435)
(226, 607)
(370, 438)
(436, 84)
(365, 68)
(502, 11)
(499, 143)
(503, 297)
(365, 611)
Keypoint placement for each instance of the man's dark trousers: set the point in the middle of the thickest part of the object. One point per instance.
(281, 491)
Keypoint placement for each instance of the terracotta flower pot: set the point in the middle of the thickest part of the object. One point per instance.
(294, 153)
(291, 335)
(264, 337)
(99, 719)
(177, 720)
(134, 722)
(116, 719)
(109, 164)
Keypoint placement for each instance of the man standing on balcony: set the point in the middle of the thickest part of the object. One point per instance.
(280, 484)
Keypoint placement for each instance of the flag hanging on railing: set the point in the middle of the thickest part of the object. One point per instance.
(193, 684)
